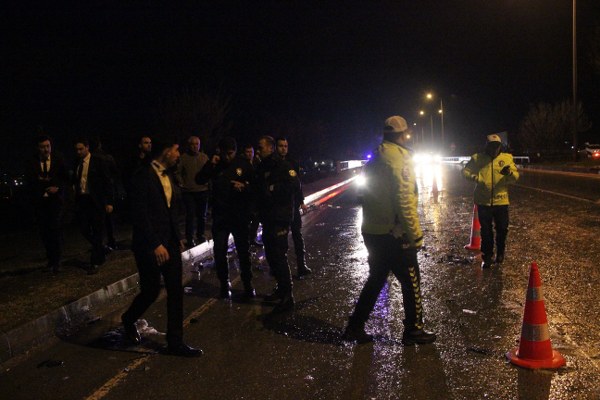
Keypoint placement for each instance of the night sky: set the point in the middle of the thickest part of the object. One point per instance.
(105, 68)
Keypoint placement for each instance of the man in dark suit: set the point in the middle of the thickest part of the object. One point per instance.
(46, 177)
(157, 245)
(93, 198)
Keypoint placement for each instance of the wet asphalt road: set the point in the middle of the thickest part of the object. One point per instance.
(477, 315)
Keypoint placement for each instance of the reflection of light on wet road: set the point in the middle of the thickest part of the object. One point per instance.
(431, 184)
(359, 251)
(427, 174)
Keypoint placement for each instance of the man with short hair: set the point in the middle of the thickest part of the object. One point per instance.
(296, 226)
(492, 171)
(231, 178)
(277, 184)
(195, 196)
(392, 235)
(157, 247)
(46, 177)
(94, 198)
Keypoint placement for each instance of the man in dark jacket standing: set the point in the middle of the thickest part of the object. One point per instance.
(157, 247)
(94, 195)
(277, 184)
(47, 178)
(296, 226)
(232, 178)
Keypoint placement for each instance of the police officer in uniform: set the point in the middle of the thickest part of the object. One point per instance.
(392, 235)
(493, 171)
(277, 186)
(232, 180)
(296, 227)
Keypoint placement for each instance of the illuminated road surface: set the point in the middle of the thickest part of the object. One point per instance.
(477, 315)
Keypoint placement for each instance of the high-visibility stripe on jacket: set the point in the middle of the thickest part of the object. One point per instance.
(492, 186)
(390, 196)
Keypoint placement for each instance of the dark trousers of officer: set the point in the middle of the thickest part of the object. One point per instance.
(298, 240)
(386, 254)
(275, 239)
(253, 232)
(109, 225)
(150, 273)
(221, 228)
(195, 214)
(90, 218)
(48, 213)
(498, 216)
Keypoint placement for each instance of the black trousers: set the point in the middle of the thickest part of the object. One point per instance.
(150, 274)
(275, 240)
(490, 216)
(48, 214)
(386, 254)
(195, 214)
(91, 224)
(298, 240)
(221, 228)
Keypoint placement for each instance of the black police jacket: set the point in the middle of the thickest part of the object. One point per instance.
(277, 187)
(228, 202)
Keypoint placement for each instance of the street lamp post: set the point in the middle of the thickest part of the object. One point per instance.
(429, 96)
(574, 117)
(442, 117)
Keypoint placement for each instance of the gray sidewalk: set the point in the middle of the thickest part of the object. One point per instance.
(59, 322)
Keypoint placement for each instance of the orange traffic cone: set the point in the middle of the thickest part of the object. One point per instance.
(535, 349)
(475, 232)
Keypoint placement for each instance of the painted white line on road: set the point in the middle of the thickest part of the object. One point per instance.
(565, 173)
(568, 196)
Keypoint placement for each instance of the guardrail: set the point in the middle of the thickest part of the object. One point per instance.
(520, 160)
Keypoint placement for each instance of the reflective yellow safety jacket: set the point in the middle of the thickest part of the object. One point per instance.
(390, 196)
(492, 186)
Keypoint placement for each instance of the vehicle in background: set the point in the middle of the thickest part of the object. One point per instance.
(590, 151)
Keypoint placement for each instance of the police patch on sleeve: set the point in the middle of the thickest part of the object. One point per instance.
(238, 171)
(501, 163)
(292, 173)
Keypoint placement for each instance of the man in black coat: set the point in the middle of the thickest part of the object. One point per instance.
(296, 226)
(232, 179)
(94, 198)
(277, 185)
(157, 246)
(46, 177)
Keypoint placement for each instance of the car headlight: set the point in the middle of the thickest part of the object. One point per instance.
(361, 181)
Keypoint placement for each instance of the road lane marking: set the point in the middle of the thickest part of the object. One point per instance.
(137, 363)
(565, 173)
(558, 194)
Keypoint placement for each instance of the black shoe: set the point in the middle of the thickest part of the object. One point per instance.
(356, 334)
(499, 258)
(286, 304)
(55, 269)
(487, 263)
(131, 332)
(108, 250)
(225, 292)
(277, 294)
(417, 336)
(183, 350)
(249, 291)
(304, 271)
(92, 269)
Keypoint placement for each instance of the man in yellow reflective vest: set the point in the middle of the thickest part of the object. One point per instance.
(493, 171)
(392, 235)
